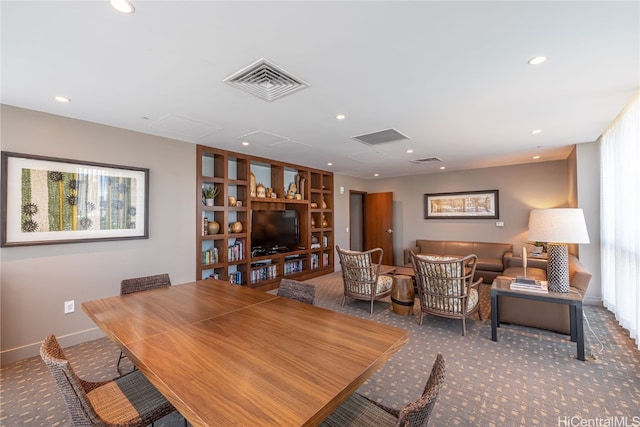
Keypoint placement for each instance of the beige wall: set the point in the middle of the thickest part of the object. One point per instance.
(35, 281)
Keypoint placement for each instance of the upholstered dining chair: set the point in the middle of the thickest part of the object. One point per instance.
(139, 284)
(299, 291)
(130, 400)
(357, 410)
(446, 287)
(361, 275)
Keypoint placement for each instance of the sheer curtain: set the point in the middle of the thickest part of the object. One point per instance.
(619, 218)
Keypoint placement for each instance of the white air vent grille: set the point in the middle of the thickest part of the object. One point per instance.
(381, 137)
(426, 160)
(266, 81)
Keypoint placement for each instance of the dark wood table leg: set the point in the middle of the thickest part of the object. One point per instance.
(572, 322)
(495, 317)
(579, 328)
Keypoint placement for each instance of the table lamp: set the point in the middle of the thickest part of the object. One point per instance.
(558, 227)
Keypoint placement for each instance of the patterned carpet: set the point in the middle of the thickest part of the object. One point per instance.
(529, 377)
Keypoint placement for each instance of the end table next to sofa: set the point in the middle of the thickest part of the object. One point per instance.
(573, 298)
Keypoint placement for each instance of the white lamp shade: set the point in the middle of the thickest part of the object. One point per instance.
(560, 225)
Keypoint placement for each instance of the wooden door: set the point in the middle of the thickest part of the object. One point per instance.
(378, 224)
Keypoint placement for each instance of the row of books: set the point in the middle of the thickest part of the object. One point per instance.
(210, 256)
(265, 272)
(529, 285)
(315, 260)
(292, 266)
(235, 278)
(236, 251)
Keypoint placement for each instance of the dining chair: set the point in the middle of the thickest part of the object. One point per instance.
(361, 275)
(139, 284)
(299, 291)
(358, 410)
(446, 287)
(130, 400)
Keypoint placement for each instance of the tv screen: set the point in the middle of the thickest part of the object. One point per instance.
(270, 229)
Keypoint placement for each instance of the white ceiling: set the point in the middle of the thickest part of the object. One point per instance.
(452, 76)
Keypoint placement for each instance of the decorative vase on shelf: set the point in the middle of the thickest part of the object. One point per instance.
(213, 227)
(313, 222)
(325, 223)
(252, 185)
(324, 204)
(236, 227)
(208, 202)
(314, 205)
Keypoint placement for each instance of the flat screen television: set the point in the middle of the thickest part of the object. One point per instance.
(274, 229)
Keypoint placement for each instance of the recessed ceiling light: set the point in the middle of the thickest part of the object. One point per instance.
(329, 164)
(409, 151)
(536, 131)
(245, 143)
(376, 174)
(537, 60)
(62, 99)
(123, 6)
(442, 168)
(341, 117)
(536, 157)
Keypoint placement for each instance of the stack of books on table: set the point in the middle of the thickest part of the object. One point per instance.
(529, 285)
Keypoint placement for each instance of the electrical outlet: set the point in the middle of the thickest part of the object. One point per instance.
(499, 223)
(69, 306)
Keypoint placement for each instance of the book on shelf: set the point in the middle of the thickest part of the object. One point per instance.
(210, 256)
(529, 285)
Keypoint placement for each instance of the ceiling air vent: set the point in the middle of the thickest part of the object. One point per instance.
(266, 81)
(381, 137)
(426, 160)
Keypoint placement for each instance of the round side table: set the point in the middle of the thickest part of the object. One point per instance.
(402, 295)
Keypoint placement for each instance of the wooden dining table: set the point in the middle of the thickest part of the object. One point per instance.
(228, 355)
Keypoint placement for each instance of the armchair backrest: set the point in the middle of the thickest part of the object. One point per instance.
(417, 413)
(80, 410)
(360, 270)
(443, 282)
(138, 284)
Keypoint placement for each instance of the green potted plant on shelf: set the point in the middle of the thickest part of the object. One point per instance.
(209, 192)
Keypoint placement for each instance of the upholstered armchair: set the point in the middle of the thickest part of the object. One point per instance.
(361, 275)
(446, 287)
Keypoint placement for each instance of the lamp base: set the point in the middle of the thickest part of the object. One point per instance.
(558, 267)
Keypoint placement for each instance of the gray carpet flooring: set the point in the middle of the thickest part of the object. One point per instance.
(529, 377)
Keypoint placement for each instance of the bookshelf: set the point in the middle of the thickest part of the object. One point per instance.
(227, 254)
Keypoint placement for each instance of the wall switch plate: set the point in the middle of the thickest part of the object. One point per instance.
(499, 223)
(69, 306)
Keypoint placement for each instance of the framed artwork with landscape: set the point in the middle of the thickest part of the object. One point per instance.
(47, 200)
(462, 205)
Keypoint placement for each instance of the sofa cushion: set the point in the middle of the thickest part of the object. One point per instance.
(490, 264)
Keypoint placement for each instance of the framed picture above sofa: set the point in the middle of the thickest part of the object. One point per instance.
(462, 205)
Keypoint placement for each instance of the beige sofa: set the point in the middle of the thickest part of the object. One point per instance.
(539, 314)
(493, 258)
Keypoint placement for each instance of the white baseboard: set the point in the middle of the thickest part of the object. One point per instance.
(30, 350)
